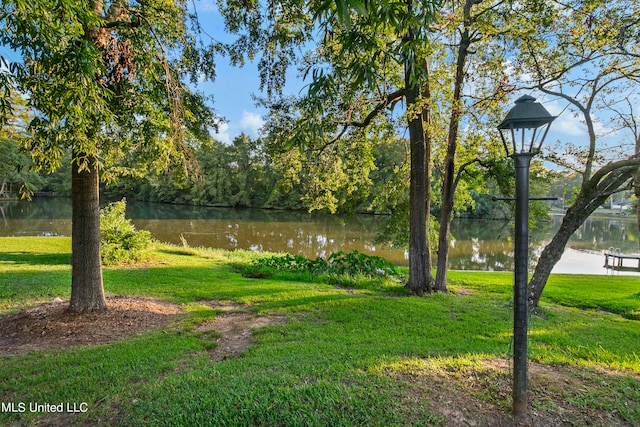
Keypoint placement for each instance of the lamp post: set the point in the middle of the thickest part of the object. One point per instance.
(522, 133)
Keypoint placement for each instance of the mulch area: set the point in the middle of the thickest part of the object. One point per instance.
(51, 326)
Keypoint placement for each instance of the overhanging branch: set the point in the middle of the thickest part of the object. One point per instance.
(346, 125)
(632, 163)
(386, 101)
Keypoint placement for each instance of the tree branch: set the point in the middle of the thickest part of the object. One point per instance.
(388, 99)
(346, 125)
(632, 162)
(463, 169)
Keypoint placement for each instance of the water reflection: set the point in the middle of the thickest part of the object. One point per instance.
(309, 235)
(478, 244)
(41, 217)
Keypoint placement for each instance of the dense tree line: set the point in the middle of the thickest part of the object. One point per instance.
(246, 174)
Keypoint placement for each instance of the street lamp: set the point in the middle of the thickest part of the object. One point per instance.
(522, 133)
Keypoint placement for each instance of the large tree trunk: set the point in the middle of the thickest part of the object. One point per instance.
(87, 293)
(420, 278)
(426, 115)
(551, 254)
(419, 259)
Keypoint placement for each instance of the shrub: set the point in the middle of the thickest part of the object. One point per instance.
(353, 264)
(120, 242)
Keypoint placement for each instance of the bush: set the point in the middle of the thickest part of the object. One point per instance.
(353, 264)
(120, 242)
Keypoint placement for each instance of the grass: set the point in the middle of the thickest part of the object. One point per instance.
(619, 295)
(366, 355)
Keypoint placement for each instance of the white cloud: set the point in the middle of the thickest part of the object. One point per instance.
(566, 122)
(223, 134)
(251, 123)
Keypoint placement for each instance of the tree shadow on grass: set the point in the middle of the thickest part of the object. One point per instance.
(35, 258)
(216, 282)
(185, 252)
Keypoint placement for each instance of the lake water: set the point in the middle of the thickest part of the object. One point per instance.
(478, 244)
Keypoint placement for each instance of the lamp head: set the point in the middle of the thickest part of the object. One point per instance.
(525, 127)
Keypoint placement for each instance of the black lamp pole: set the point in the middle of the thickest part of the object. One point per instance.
(521, 268)
(520, 128)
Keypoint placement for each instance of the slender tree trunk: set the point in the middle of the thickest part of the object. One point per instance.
(449, 186)
(447, 196)
(637, 193)
(443, 241)
(592, 194)
(636, 187)
(87, 293)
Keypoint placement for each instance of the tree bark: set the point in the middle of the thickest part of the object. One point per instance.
(420, 278)
(87, 292)
(426, 117)
(551, 254)
(419, 260)
(446, 211)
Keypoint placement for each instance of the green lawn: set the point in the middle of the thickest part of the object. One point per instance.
(367, 355)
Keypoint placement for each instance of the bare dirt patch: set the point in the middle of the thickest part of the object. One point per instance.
(51, 326)
(234, 326)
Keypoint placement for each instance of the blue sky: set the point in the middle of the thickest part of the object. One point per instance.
(234, 86)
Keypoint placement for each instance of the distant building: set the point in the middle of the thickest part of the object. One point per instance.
(620, 205)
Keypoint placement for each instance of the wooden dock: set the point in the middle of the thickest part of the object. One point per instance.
(614, 259)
